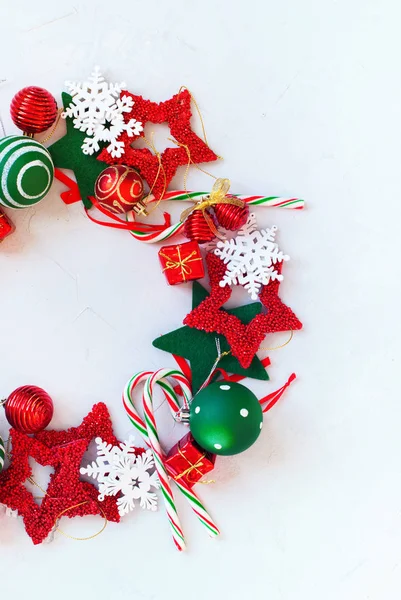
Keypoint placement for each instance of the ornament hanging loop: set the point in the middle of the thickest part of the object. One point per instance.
(218, 195)
(220, 189)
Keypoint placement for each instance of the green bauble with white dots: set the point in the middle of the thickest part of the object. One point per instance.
(226, 418)
(26, 171)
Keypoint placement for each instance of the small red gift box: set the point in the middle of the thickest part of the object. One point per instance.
(188, 462)
(6, 226)
(182, 262)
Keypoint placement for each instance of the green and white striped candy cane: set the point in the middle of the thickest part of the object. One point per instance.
(26, 171)
(148, 430)
(158, 233)
(2, 454)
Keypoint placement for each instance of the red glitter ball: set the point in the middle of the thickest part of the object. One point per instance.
(196, 227)
(231, 217)
(244, 340)
(29, 409)
(176, 112)
(33, 109)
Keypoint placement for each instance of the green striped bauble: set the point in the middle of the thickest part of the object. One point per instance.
(26, 171)
(2, 454)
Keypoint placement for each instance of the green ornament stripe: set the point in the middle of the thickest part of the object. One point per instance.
(26, 171)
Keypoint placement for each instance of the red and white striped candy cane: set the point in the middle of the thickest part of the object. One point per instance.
(151, 237)
(168, 390)
(149, 432)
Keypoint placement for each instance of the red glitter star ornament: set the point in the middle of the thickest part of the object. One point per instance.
(62, 450)
(96, 424)
(244, 340)
(177, 113)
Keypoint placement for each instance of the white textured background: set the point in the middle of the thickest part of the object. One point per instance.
(300, 98)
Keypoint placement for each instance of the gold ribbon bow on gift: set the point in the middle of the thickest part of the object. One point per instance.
(193, 467)
(218, 195)
(181, 263)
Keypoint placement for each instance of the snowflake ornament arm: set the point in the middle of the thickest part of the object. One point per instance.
(90, 145)
(148, 501)
(250, 226)
(143, 464)
(100, 467)
(129, 448)
(250, 258)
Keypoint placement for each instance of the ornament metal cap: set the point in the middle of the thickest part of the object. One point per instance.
(182, 416)
(140, 209)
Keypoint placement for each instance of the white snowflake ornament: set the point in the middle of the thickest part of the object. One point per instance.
(250, 257)
(119, 471)
(98, 110)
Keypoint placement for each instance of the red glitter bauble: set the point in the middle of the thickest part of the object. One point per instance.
(29, 409)
(230, 216)
(120, 189)
(33, 109)
(196, 227)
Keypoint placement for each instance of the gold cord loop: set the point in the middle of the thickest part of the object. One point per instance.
(53, 129)
(80, 539)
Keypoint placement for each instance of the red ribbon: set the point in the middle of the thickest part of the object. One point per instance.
(274, 397)
(72, 195)
(270, 400)
(236, 378)
(184, 367)
(120, 224)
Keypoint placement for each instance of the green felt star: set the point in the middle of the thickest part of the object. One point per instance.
(67, 154)
(199, 347)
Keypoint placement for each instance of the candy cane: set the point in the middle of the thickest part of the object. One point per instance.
(157, 236)
(183, 196)
(148, 430)
(150, 436)
(195, 504)
(168, 391)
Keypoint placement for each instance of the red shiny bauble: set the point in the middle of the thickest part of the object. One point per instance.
(120, 189)
(196, 227)
(29, 409)
(33, 109)
(230, 216)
